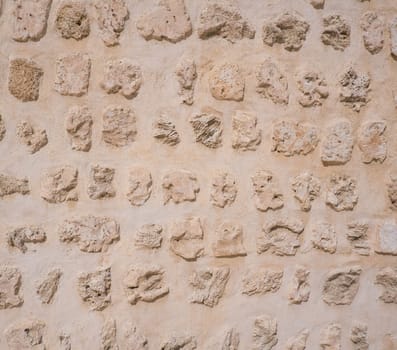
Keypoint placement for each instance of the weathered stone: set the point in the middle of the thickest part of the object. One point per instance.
(100, 184)
(47, 288)
(313, 89)
(280, 236)
(224, 190)
(389, 342)
(25, 234)
(10, 287)
(299, 289)
(372, 142)
(330, 337)
(226, 82)
(324, 237)
(386, 238)
(264, 334)
(119, 126)
(336, 32)
(341, 285)
(72, 20)
(306, 188)
(272, 83)
(208, 127)
(393, 37)
(123, 76)
(27, 334)
(168, 21)
(187, 237)
(134, 340)
(231, 340)
(229, 241)
(298, 342)
(79, 128)
(372, 26)
(186, 75)
(58, 184)
(165, 131)
(180, 343)
(94, 288)
(180, 186)
(341, 192)
(294, 138)
(112, 15)
(92, 233)
(387, 278)
(11, 185)
(337, 147)
(145, 283)
(261, 281)
(108, 335)
(34, 138)
(392, 190)
(266, 191)
(72, 74)
(317, 4)
(140, 186)
(355, 87)
(2, 128)
(209, 285)
(29, 19)
(65, 342)
(246, 136)
(359, 336)
(223, 18)
(288, 29)
(24, 79)
(357, 234)
(149, 236)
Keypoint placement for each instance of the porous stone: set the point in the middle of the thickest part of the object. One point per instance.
(298, 342)
(246, 136)
(168, 21)
(2, 128)
(209, 285)
(184, 342)
(180, 186)
(93, 234)
(149, 236)
(100, 184)
(386, 238)
(79, 128)
(341, 192)
(27, 334)
(10, 287)
(317, 4)
(262, 281)
(336, 32)
(140, 186)
(267, 193)
(109, 335)
(94, 288)
(313, 89)
(355, 87)
(330, 337)
(47, 287)
(324, 237)
(208, 127)
(223, 190)
(306, 188)
(226, 82)
(372, 26)
(24, 77)
(299, 288)
(72, 20)
(387, 278)
(392, 190)
(122, 76)
(164, 130)
(20, 236)
(186, 75)
(35, 139)
(264, 335)
(229, 241)
(372, 142)
(72, 74)
(58, 184)
(359, 336)
(357, 234)
(393, 37)
(288, 29)
(11, 185)
(134, 340)
(145, 283)
(280, 236)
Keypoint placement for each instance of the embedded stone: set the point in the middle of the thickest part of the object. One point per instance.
(357, 234)
(108, 335)
(306, 188)
(94, 288)
(393, 37)
(387, 278)
(180, 343)
(72, 20)
(336, 32)
(224, 190)
(2, 128)
(47, 288)
(372, 26)
(330, 337)
(386, 238)
(392, 190)
(299, 288)
(140, 186)
(100, 184)
(165, 131)
(10, 287)
(208, 127)
(264, 334)
(58, 184)
(180, 186)
(231, 340)
(359, 336)
(133, 339)
(266, 191)
(79, 128)
(226, 82)
(372, 142)
(324, 237)
(149, 236)
(262, 281)
(341, 192)
(229, 241)
(34, 138)
(27, 334)
(11, 185)
(20, 236)
(298, 342)
(65, 342)
(389, 342)
(313, 89)
(355, 87)
(186, 75)
(246, 136)
(317, 4)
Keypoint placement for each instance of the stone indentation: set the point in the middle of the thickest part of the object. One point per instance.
(262, 281)
(336, 32)
(229, 240)
(100, 184)
(246, 136)
(208, 127)
(264, 335)
(58, 184)
(140, 186)
(11, 185)
(180, 186)
(20, 236)
(306, 188)
(386, 238)
(357, 234)
(341, 192)
(267, 193)
(372, 142)
(164, 130)
(26, 334)
(324, 237)
(10, 287)
(226, 82)
(313, 89)
(330, 337)
(48, 286)
(372, 26)
(34, 138)
(355, 87)
(149, 236)
(94, 288)
(79, 128)
(387, 278)
(224, 190)
(186, 75)
(299, 288)
(72, 20)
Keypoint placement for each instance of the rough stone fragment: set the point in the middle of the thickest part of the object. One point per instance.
(186, 75)
(79, 128)
(2, 128)
(47, 288)
(58, 184)
(313, 89)
(65, 342)
(134, 340)
(24, 79)
(180, 343)
(72, 74)
(299, 289)
(264, 334)
(108, 335)
(357, 234)
(266, 191)
(355, 87)
(306, 188)
(10, 185)
(387, 278)
(100, 184)
(372, 26)
(180, 186)
(386, 238)
(94, 288)
(294, 138)
(140, 186)
(168, 21)
(26, 234)
(341, 285)
(229, 241)
(208, 127)
(112, 15)
(246, 136)
(359, 336)
(145, 283)
(27, 334)
(298, 342)
(330, 337)
(119, 126)
(317, 4)
(280, 236)
(35, 139)
(336, 32)
(341, 192)
(231, 340)
(224, 190)
(209, 285)
(288, 29)
(10, 285)
(262, 281)
(187, 237)
(392, 190)
(338, 144)
(223, 18)
(165, 131)
(272, 83)
(372, 142)
(149, 236)
(393, 37)
(123, 76)
(72, 20)
(29, 19)
(226, 82)
(92, 233)
(324, 237)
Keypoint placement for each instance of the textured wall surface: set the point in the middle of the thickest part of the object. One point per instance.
(198, 175)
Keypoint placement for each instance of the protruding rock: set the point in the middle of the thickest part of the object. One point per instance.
(26, 334)
(265, 333)
(393, 37)
(149, 236)
(140, 186)
(387, 278)
(108, 335)
(357, 234)
(165, 131)
(313, 89)
(226, 82)
(47, 288)
(10, 287)
(2, 128)
(186, 75)
(341, 192)
(34, 138)
(336, 32)
(355, 87)
(58, 184)
(224, 190)
(72, 20)
(324, 237)
(306, 188)
(266, 191)
(208, 127)
(298, 342)
(180, 343)
(229, 241)
(246, 136)
(299, 289)
(330, 337)
(392, 190)
(359, 336)
(65, 342)
(386, 238)
(317, 4)
(79, 128)
(11, 185)
(262, 281)
(94, 288)
(100, 184)
(180, 186)
(372, 142)
(373, 27)
(25, 234)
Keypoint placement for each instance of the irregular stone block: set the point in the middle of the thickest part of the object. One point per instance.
(165, 131)
(79, 128)
(229, 241)
(246, 136)
(386, 238)
(336, 32)
(94, 288)
(261, 281)
(226, 82)
(317, 4)
(180, 343)
(306, 188)
(11, 185)
(355, 87)
(392, 190)
(359, 336)
(25, 234)
(27, 334)
(180, 186)
(372, 26)
(387, 278)
(266, 191)
(134, 340)
(35, 139)
(149, 236)
(330, 337)
(2, 128)
(10, 287)
(100, 184)
(393, 37)
(58, 184)
(186, 75)
(324, 237)
(264, 334)
(47, 288)
(313, 89)
(341, 192)
(372, 142)
(140, 186)
(299, 288)
(108, 335)
(208, 127)
(298, 342)
(224, 190)
(72, 20)
(357, 234)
